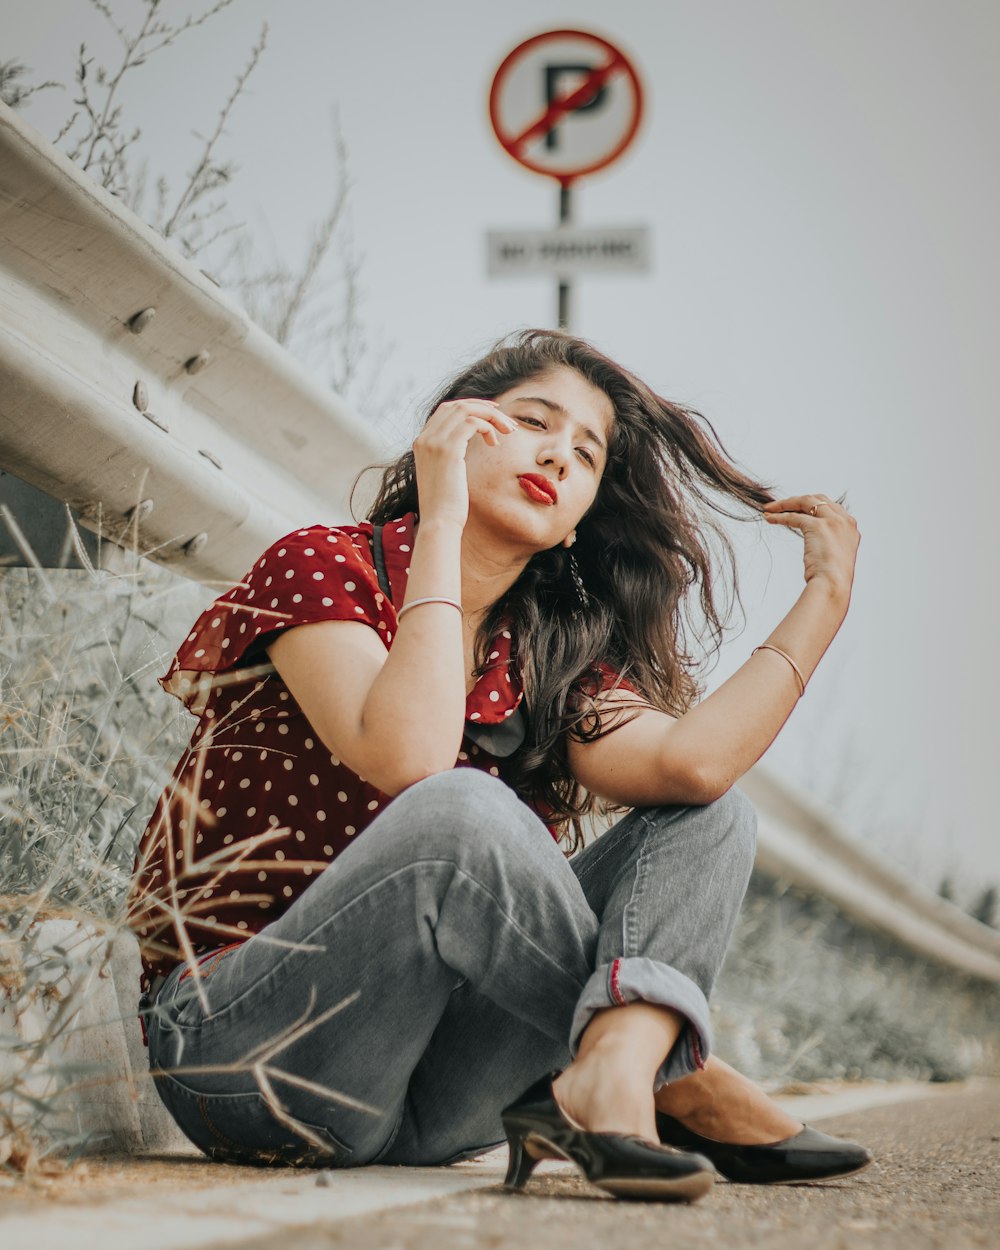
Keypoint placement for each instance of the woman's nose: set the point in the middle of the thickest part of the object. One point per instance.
(557, 456)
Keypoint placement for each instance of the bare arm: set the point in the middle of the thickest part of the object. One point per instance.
(697, 757)
(391, 716)
(398, 716)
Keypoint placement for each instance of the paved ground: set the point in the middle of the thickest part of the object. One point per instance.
(936, 1184)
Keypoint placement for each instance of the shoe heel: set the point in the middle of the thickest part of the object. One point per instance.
(521, 1164)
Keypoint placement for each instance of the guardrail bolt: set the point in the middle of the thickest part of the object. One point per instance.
(140, 511)
(194, 545)
(198, 362)
(212, 459)
(141, 319)
(140, 396)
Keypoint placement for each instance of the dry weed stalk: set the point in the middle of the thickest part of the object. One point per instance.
(44, 980)
(80, 754)
(86, 742)
(265, 1073)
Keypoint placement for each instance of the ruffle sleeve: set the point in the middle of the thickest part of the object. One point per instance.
(315, 574)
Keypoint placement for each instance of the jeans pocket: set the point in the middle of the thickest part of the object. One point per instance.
(190, 989)
(247, 1128)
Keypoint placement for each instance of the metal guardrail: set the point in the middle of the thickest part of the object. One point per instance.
(105, 405)
(133, 389)
(801, 843)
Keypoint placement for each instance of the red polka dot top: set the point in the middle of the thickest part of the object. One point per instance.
(257, 805)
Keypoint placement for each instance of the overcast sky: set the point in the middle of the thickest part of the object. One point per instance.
(822, 186)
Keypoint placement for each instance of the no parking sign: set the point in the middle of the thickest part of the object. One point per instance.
(566, 104)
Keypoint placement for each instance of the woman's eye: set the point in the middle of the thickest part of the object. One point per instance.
(584, 452)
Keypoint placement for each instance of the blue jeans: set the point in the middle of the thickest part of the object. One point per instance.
(443, 962)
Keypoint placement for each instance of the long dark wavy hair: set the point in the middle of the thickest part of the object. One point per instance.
(642, 547)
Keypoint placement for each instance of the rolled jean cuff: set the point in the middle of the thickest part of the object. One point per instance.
(634, 980)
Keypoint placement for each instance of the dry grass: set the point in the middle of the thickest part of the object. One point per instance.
(807, 994)
(86, 731)
(87, 740)
(88, 743)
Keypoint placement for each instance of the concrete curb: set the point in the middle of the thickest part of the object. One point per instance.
(76, 1042)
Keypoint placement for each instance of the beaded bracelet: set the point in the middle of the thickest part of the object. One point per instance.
(767, 646)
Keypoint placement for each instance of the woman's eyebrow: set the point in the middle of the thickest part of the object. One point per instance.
(554, 407)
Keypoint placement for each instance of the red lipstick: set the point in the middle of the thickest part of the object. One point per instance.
(538, 488)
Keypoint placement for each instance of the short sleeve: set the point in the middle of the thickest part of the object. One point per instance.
(316, 574)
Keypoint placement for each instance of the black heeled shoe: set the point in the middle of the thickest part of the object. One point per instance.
(623, 1164)
(808, 1155)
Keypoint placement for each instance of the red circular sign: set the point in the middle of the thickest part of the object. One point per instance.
(566, 103)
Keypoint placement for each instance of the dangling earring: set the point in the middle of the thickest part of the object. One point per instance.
(578, 586)
(569, 540)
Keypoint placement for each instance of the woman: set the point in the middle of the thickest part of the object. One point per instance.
(460, 679)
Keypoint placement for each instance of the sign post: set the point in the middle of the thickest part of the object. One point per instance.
(565, 104)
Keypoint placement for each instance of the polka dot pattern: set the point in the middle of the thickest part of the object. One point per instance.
(253, 742)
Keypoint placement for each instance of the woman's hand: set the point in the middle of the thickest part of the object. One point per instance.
(439, 455)
(830, 534)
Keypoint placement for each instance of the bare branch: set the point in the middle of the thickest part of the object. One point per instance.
(105, 11)
(190, 23)
(107, 121)
(207, 177)
(322, 238)
(66, 128)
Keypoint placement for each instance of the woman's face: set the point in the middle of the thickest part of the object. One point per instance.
(534, 487)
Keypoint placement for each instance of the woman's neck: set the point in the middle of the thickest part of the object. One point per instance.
(488, 572)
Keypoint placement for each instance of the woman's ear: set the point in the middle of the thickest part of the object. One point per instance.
(569, 540)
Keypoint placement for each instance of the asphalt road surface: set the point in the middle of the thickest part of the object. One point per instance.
(935, 1183)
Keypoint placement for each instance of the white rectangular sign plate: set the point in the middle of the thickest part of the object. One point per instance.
(568, 250)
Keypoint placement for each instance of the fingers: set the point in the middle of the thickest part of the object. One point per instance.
(465, 427)
(486, 408)
(792, 520)
(801, 512)
(461, 419)
(801, 503)
(485, 413)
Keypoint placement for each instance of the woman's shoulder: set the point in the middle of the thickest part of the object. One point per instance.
(315, 573)
(320, 541)
(340, 544)
(311, 573)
